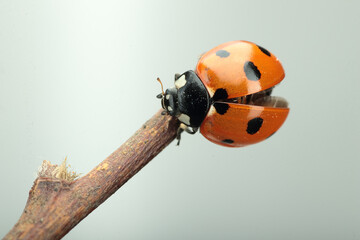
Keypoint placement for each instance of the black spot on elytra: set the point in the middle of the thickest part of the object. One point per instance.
(221, 108)
(254, 125)
(264, 50)
(251, 71)
(222, 53)
(229, 141)
(220, 94)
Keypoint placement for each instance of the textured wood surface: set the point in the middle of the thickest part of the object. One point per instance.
(55, 206)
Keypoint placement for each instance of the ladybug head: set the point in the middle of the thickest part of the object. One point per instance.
(169, 100)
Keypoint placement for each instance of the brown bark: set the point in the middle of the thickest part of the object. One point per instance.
(55, 206)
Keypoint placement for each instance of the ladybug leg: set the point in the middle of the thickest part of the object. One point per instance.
(191, 130)
(185, 128)
(178, 135)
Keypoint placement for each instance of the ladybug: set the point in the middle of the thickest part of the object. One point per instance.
(228, 96)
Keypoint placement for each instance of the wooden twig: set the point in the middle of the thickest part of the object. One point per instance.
(56, 205)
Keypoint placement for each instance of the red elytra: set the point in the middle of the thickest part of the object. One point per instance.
(242, 124)
(223, 67)
(228, 72)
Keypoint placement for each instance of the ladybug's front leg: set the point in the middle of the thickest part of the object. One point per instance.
(185, 128)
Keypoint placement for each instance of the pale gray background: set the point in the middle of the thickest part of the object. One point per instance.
(77, 78)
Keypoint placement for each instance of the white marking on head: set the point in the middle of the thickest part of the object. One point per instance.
(167, 96)
(184, 118)
(170, 109)
(180, 82)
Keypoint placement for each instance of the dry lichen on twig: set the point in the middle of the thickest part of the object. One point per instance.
(61, 171)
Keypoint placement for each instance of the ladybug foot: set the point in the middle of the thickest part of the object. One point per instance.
(185, 128)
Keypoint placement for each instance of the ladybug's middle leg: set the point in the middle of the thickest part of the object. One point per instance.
(185, 128)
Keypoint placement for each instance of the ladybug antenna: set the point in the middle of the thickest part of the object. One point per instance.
(162, 88)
